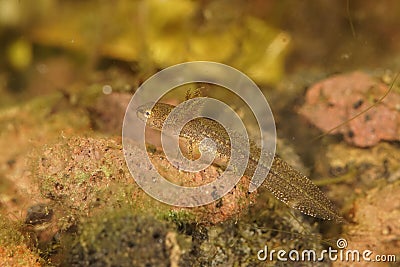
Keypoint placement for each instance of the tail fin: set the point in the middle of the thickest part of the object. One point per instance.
(298, 192)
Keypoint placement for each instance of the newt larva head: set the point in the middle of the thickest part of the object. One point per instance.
(155, 116)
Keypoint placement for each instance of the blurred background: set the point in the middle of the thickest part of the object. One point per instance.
(47, 44)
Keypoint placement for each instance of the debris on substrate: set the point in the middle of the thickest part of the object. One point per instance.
(339, 98)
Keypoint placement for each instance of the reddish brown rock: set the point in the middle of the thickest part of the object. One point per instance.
(338, 99)
(84, 176)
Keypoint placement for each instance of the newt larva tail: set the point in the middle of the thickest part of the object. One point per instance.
(298, 192)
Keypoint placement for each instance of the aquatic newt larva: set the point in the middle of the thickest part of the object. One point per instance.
(283, 181)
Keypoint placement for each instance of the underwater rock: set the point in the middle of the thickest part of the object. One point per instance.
(339, 98)
(84, 175)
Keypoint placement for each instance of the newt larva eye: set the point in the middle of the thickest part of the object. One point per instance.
(147, 113)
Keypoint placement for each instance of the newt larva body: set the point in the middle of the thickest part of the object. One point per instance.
(283, 181)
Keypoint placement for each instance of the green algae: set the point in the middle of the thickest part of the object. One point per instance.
(17, 245)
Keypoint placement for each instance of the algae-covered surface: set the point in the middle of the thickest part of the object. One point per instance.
(68, 70)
